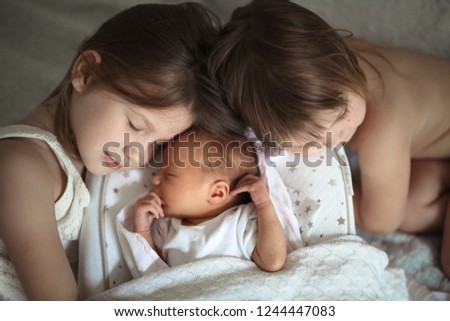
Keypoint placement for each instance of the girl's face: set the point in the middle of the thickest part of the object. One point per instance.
(340, 126)
(113, 134)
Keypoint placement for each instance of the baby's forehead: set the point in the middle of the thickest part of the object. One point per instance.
(181, 154)
(210, 150)
(199, 145)
(185, 147)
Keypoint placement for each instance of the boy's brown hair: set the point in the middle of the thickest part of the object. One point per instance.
(281, 64)
(154, 56)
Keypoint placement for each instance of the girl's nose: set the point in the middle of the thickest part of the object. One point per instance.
(156, 179)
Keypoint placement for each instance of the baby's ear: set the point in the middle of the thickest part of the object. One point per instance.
(218, 192)
(82, 73)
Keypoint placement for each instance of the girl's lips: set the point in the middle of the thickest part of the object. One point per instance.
(110, 162)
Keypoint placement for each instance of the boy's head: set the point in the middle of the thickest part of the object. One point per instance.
(286, 71)
(199, 171)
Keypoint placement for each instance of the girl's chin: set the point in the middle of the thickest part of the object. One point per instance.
(101, 170)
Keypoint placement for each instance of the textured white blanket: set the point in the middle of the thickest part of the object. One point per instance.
(343, 268)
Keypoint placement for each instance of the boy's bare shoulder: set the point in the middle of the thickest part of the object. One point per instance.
(384, 129)
(412, 95)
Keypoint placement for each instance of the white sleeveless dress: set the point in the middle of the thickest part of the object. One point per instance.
(68, 209)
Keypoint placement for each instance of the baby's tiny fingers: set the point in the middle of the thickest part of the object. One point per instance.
(154, 197)
(157, 211)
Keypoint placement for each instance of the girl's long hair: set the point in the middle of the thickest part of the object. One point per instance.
(154, 56)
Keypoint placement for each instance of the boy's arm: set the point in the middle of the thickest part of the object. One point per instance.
(385, 163)
(271, 245)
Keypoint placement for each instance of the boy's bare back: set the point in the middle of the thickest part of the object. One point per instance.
(415, 98)
(291, 74)
(407, 119)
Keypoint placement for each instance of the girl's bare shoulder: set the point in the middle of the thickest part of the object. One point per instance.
(27, 162)
(23, 151)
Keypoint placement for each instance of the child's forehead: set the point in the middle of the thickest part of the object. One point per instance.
(328, 117)
(185, 147)
(297, 139)
(183, 155)
(324, 122)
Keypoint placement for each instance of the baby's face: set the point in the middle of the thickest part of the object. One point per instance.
(181, 183)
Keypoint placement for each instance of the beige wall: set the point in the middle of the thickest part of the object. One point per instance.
(38, 38)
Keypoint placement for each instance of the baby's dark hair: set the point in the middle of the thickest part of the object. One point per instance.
(228, 158)
(281, 64)
(154, 56)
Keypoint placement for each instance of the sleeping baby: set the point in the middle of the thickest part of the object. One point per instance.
(208, 199)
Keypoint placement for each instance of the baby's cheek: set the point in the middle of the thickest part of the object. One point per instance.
(165, 207)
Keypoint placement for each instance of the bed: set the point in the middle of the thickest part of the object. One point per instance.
(39, 39)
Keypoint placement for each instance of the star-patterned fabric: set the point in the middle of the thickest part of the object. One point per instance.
(321, 193)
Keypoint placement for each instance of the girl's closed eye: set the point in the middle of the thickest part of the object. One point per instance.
(131, 125)
(134, 127)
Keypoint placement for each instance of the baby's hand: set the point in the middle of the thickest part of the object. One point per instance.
(145, 210)
(256, 186)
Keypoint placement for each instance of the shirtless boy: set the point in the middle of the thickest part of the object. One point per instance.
(289, 73)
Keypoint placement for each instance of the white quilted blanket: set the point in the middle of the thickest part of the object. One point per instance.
(343, 268)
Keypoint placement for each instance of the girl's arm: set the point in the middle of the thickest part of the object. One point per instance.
(28, 224)
(271, 246)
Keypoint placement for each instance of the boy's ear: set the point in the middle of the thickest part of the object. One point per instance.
(82, 74)
(218, 192)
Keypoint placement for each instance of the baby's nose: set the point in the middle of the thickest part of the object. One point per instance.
(156, 179)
